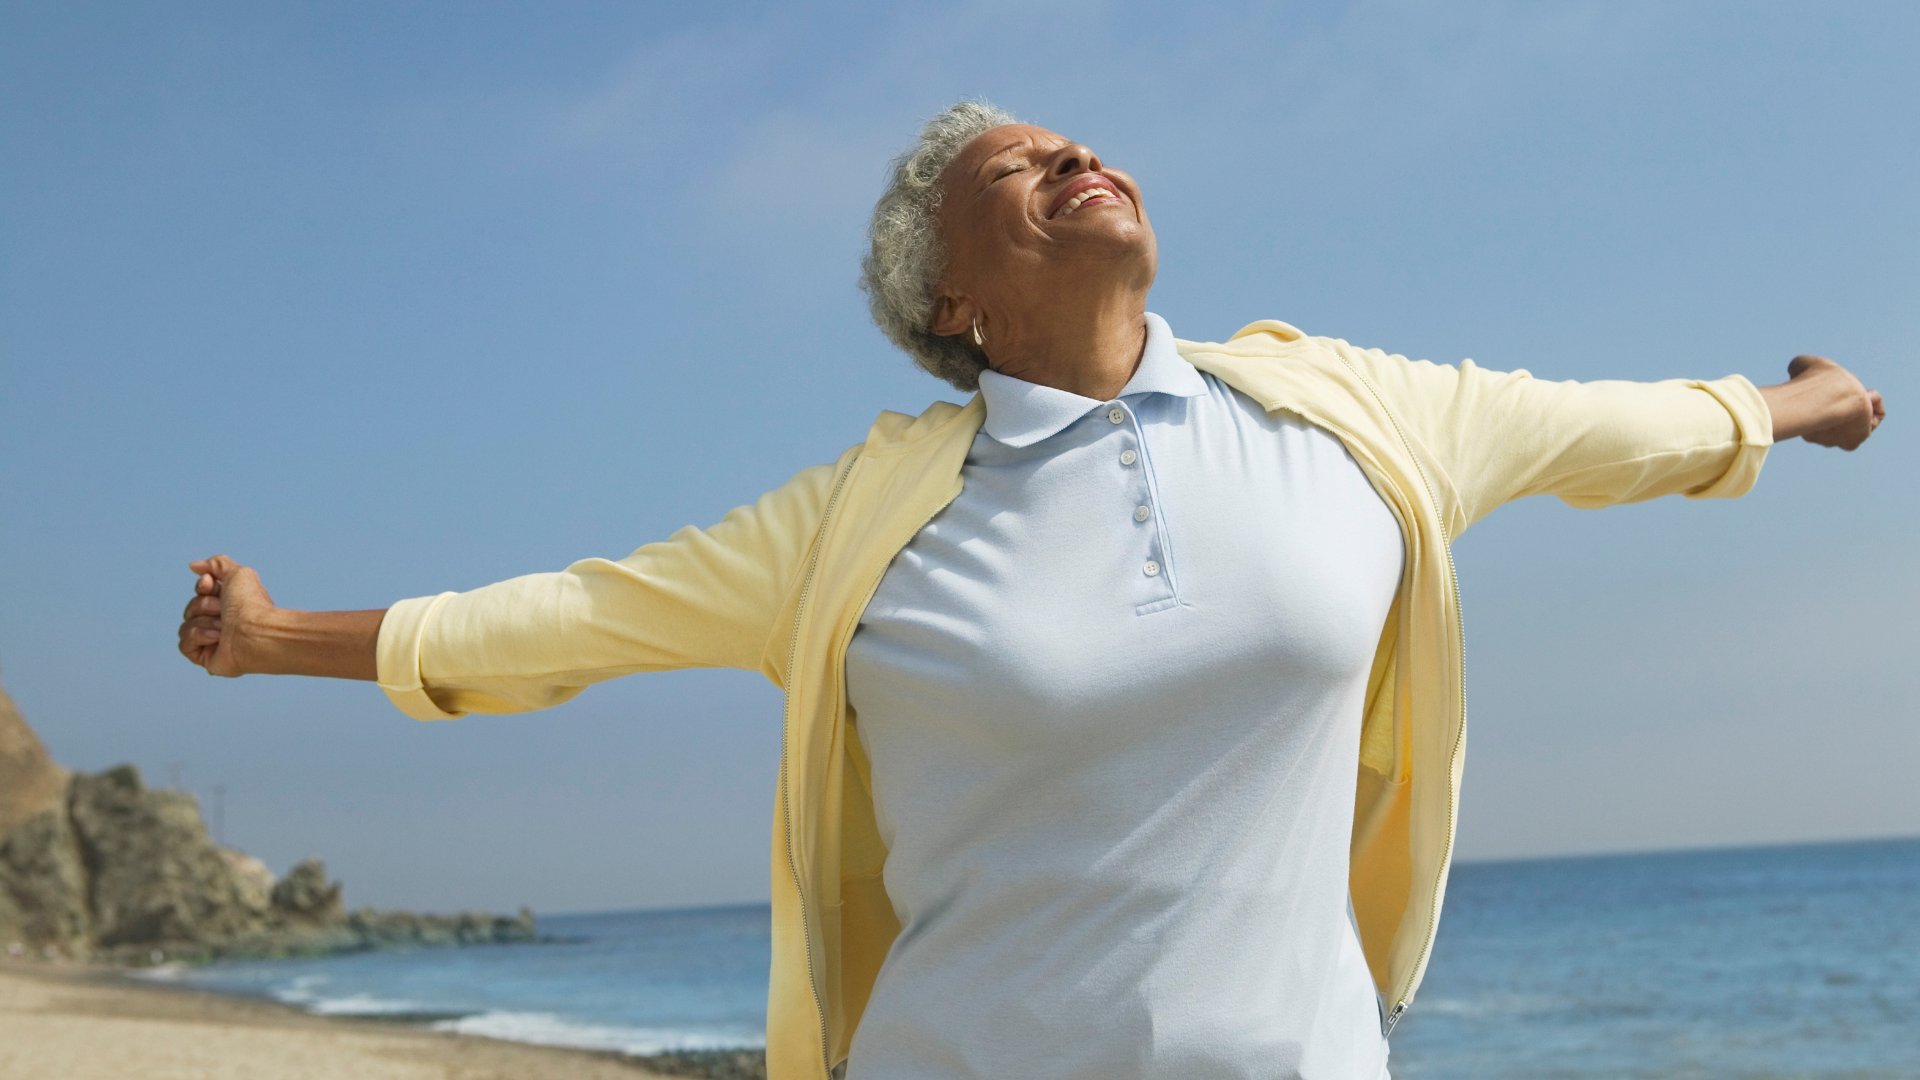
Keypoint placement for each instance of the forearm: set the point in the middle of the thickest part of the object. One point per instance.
(336, 644)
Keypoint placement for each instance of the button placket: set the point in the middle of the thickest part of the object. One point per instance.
(1157, 589)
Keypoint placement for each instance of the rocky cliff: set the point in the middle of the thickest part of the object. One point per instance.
(30, 782)
(98, 866)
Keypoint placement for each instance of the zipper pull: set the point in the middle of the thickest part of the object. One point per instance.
(1393, 1018)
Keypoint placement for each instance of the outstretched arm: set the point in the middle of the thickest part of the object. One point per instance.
(713, 597)
(1496, 436)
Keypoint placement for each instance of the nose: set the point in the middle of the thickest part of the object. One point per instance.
(1073, 158)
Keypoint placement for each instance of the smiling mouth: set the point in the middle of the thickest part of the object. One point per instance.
(1092, 194)
(1085, 189)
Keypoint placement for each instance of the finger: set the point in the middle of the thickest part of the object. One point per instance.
(201, 605)
(199, 650)
(217, 565)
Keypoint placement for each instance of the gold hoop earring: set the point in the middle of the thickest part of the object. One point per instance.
(976, 332)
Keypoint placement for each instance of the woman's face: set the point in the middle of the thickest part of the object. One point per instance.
(1028, 216)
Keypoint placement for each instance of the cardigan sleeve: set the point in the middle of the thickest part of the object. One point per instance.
(1503, 435)
(700, 598)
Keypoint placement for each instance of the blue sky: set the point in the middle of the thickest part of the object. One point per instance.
(390, 299)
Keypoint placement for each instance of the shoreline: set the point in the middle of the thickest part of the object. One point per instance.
(82, 1022)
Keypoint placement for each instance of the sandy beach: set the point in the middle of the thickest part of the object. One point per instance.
(59, 1023)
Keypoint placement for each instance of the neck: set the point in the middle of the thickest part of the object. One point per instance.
(1090, 348)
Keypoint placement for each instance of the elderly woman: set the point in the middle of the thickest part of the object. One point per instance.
(1125, 702)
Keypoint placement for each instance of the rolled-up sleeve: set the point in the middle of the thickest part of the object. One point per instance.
(700, 598)
(397, 656)
(1505, 435)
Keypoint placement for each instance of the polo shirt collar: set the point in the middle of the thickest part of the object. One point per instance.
(1021, 413)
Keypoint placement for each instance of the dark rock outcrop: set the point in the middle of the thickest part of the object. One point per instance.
(155, 874)
(43, 886)
(98, 866)
(304, 894)
(708, 1064)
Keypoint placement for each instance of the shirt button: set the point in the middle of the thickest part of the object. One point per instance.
(1141, 513)
(1128, 457)
(1152, 568)
(1116, 414)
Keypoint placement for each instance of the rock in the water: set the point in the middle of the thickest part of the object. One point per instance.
(379, 928)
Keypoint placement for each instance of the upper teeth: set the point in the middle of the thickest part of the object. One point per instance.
(1091, 193)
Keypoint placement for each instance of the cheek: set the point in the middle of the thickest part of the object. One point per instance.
(980, 239)
(1013, 218)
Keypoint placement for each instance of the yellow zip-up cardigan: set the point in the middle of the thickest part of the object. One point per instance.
(779, 585)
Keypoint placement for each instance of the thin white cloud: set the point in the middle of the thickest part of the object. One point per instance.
(668, 99)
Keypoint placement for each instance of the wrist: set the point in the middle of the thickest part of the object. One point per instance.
(1811, 401)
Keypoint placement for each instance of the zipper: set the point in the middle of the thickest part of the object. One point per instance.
(786, 790)
(1460, 729)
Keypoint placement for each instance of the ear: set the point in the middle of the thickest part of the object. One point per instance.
(952, 314)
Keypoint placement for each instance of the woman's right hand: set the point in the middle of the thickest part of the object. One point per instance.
(219, 624)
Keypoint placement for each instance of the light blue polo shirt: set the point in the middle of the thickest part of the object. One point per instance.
(1111, 696)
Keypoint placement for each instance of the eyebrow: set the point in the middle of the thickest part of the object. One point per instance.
(977, 173)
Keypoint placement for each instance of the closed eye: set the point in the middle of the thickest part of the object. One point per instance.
(1008, 172)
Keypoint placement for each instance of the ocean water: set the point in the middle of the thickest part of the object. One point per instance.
(641, 982)
(1795, 961)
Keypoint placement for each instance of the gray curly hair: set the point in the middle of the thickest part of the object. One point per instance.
(903, 267)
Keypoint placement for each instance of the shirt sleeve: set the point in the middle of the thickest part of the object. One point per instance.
(1497, 436)
(708, 597)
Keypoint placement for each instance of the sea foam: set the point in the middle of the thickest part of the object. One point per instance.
(549, 1029)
